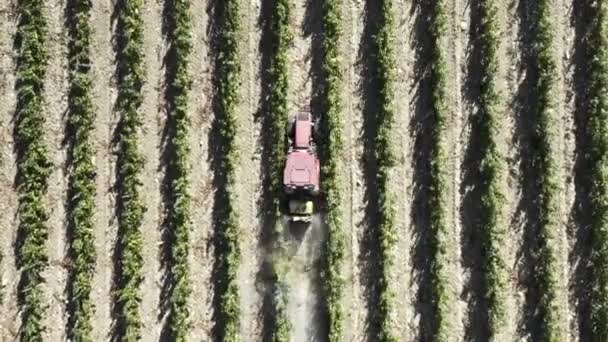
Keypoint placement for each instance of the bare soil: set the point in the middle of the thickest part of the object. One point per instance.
(154, 119)
(353, 205)
(249, 171)
(104, 95)
(55, 94)
(9, 276)
(201, 252)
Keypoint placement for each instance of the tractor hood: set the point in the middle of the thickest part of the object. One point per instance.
(301, 170)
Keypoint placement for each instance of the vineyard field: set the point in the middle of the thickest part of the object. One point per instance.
(463, 148)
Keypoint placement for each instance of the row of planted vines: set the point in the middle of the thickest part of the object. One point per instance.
(598, 138)
(81, 121)
(545, 138)
(130, 162)
(487, 126)
(331, 147)
(384, 155)
(227, 231)
(438, 201)
(33, 164)
(179, 84)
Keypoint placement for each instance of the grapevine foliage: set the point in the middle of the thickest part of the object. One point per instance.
(33, 164)
(82, 173)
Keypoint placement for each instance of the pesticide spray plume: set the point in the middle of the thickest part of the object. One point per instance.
(303, 282)
(293, 275)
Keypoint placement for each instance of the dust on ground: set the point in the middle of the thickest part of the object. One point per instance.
(301, 286)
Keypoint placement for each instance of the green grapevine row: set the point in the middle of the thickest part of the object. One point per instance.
(546, 138)
(598, 133)
(330, 150)
(33, 165)
(491, 168)
(130, 162)
(386, 160)
(281, 38)
(228, 233)
(439, 183)
(82, 176)
(180, 84)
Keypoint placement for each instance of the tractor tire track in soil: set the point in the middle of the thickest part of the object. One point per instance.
(510, 51)
(459, 24)
(249, 171)
(154, 118)
(104, 96)
(9, 322)
(354, 290)
(401, 274)
(55, 96)
(201, 184)
(566, 54)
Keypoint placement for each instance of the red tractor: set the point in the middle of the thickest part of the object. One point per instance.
(302, 170)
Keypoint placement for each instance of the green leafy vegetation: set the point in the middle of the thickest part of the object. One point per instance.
(228, 233)
(598, 134)
(280, 38)
(439, 244)
(33, 164)
(381, 157)
(130, 164)
(330, 149)
(491, 169)
(180, 84)
(545, 139)
(82, 173)
(386, 160)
